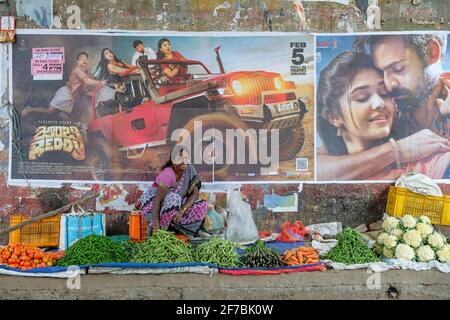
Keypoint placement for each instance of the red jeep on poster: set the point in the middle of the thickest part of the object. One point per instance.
(149, 108)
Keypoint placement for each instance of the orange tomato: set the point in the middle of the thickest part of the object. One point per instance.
(50, 263)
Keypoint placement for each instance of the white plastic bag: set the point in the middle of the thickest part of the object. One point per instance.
(419, 183)
(241, 227)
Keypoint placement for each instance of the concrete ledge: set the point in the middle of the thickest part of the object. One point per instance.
(395, 284)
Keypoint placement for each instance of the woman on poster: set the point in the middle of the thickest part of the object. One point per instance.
(173, 72)
(357, 113)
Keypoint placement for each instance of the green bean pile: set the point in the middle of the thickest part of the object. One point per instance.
(351, 249)
(163, 246)
(93, 250)
(131, 248)
(218, 252)
(260, 256)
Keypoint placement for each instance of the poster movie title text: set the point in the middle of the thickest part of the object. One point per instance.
(57, 138)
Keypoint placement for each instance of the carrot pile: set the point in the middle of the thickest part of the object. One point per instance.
(300, 255)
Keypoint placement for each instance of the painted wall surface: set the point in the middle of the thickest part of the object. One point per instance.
(352, 204)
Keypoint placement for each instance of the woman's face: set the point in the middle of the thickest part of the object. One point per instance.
(367, 110)
(181, 161)
(109, 55)
(165, 47)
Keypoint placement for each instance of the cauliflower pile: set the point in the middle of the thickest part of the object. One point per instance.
(412, 239)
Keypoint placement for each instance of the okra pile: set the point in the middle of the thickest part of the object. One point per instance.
(260, 256)
(93, 250)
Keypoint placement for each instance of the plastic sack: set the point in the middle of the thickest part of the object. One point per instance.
(78, 225)
(241, 227)
(419, 183)
(292, 232)
(214, 222)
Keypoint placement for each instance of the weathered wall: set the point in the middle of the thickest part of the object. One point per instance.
(351, 204)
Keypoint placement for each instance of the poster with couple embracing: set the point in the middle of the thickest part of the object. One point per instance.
(382, 106)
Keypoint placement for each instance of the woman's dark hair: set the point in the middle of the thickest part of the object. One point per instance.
(103, 65)
(334, 82)
(159, 54)
(176, 150)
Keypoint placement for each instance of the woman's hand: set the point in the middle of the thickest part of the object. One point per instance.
(443, 103)
(421, 145)
(179, 215)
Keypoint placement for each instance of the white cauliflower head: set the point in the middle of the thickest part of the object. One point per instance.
(425, 253)
(397, 232)
(412, 238)
(381, 237)
(388, 253)
(408, 221)
(403, 251)
(424, 219)
(424, 229)
(390, 223)
(443, 254)
(436, 240)
(390, 242)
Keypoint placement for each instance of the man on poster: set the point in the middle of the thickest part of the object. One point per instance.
(413, 75)
(138, 45)
(79, 83)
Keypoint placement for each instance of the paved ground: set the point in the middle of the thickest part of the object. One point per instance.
(397, 284)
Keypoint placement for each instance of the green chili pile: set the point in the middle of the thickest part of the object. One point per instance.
(219, 252)
(163, 246)
(260, 256)
(131, 248)
(93, 250)
(351, 249)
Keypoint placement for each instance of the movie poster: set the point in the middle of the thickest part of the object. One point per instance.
(382, 106)
(110, 107)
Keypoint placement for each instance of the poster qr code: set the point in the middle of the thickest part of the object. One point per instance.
(301, 164)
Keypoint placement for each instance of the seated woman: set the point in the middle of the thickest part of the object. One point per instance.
(172, 200)
(172, 72)
(357, 113)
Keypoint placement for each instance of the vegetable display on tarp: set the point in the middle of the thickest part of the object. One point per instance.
(260, 256)
(351, 249)
(25, 257)
(163, 246)
(412, 239)
(219, 252)
(301, 255)
(93, 250)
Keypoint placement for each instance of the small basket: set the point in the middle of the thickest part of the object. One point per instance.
(402, 201)
(138, 227)
(43, 233)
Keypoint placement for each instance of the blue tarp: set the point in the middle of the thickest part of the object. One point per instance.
(279, 246)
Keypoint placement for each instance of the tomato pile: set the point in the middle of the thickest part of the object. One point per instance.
(24, 257)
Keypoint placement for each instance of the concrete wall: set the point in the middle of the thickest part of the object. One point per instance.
(351, 204)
